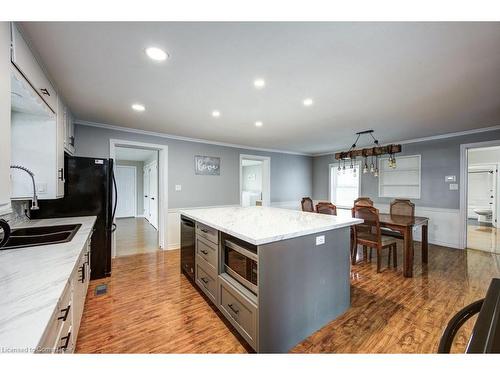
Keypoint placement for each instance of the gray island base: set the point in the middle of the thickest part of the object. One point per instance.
(302, 271)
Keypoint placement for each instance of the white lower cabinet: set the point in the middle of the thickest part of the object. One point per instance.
(62, 331)
(5, 93)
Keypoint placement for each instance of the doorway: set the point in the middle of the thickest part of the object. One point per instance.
(481, 189)
(255, 180)
(141, 181)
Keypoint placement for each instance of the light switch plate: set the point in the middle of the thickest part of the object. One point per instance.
(320, 240)
(178, 187)
(453, 186)
(450, 178)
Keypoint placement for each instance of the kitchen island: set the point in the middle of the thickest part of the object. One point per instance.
(277, 275)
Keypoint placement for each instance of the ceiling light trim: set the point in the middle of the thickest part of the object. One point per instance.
(186, 139)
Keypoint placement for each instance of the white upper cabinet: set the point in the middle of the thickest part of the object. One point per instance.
(4, 118)
(25, 61)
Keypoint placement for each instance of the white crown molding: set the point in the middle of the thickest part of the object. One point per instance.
(430, 138)
(180, 138)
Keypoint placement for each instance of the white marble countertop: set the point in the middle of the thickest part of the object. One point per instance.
(261, 225)
(32, 279)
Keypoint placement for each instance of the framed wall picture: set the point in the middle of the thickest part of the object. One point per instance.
(207, 165)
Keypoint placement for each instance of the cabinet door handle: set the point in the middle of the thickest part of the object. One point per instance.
(72, 141)
(45, 92)
(66, 312)
(204, 230)
(61, 174)
(204, 252)
(145, 196)
(204, 279)
(153, 198)
(66, 341)
(230, 305)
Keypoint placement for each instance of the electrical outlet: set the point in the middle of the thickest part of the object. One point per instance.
(178, 187)
(453, 186)
(41, 188)
(320, 240)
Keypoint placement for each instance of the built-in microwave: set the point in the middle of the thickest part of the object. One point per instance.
(241, 263)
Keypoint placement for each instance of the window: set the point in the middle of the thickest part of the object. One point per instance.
(402, 181)
(344, 186)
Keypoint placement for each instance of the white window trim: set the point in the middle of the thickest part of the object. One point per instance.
(332, 169)
(419, 176)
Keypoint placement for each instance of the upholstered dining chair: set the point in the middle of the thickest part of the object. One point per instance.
(326, 208)
(366, 201)
(399, 207)
(307, 204)
(368, 235)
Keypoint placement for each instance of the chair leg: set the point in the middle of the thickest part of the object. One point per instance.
(354, 253)
(370, 255)
(395, 256)
(378, 260)
(365, 253)
(389, 257)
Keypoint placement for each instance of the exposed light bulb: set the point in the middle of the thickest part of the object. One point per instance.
(393, 162)
(372, 168)
(375, 174)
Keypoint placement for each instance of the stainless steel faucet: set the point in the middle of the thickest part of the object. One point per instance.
(34, 202)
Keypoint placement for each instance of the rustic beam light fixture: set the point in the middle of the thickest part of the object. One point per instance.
(375, 151)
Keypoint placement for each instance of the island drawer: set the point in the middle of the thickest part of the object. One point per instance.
(207, 232)
(208, 251)
(206, 280)
(239, 310)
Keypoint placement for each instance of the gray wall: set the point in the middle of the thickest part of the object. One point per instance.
(439, 158)
(139, 170)
(291, 175)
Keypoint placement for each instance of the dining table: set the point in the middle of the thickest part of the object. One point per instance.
(405, 225)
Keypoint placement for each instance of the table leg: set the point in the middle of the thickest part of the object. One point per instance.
(408, 253)
(425, 244)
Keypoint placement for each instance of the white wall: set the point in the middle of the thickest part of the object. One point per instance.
(252, 178)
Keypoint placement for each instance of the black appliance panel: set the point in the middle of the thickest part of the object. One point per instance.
(187, 247)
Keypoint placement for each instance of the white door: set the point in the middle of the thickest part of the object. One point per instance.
(153, 195)
(125, 186)
(146, 192)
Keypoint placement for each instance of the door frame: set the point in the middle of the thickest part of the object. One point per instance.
(162, 188)
(135, 185)
(148, 165)
(464, 163)
(266, 177)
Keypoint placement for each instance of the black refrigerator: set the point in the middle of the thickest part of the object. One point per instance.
(88, 191)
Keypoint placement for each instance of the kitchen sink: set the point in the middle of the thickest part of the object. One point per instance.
(38, 236)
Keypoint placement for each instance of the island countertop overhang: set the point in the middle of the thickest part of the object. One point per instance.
(262, 225)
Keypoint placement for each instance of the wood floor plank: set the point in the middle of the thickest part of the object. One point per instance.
(151, 308)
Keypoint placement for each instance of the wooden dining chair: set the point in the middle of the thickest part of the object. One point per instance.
(326, 208)
(307, 204)
(368, 235)
(365, 201)
(399, 207)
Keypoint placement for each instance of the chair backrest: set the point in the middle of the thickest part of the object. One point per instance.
(403, 207)
(326, 208)
(365, 201)
(371, 223)
(307, 204)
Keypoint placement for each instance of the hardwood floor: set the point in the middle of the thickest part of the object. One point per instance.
(151, 308)
(135, 236)
(483, 238)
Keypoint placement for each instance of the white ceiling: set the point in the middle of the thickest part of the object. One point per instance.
(134, 154)
(405, 80)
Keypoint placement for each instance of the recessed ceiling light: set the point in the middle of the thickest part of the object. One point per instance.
(308, 102)
(215, 113)
(259, 83)
(138, 107)
(258, 124)
(156, 54)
